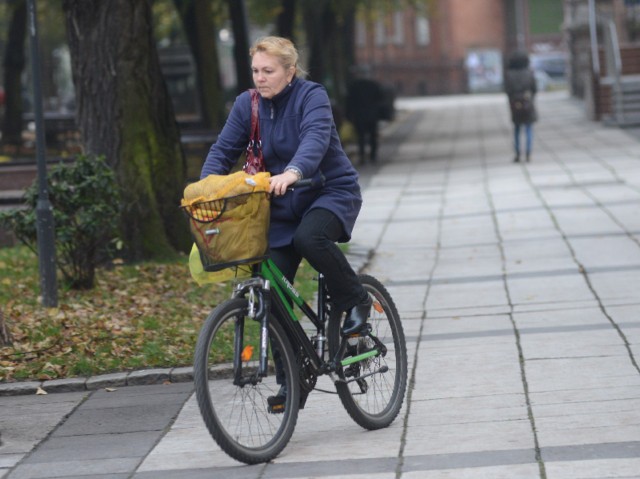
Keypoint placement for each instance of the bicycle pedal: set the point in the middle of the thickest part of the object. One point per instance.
(276, 409)
(365, 330)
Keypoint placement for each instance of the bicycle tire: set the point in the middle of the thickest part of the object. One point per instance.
(374, 401)
(238, 417)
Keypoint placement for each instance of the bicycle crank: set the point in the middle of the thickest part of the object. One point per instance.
(382, 370)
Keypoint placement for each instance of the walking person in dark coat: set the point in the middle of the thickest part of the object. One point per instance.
(520, 86)
(364, 103)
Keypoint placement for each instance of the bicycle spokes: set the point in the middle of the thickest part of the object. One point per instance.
(372, 366)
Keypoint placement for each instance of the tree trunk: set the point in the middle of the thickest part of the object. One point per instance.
(343, 52)
(14, 62)
(238, 16)
(5, 334)
(197, 22)
(315, 13)
(286, 19)
(124, 112)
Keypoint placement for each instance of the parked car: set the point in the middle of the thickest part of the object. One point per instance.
(550, 69)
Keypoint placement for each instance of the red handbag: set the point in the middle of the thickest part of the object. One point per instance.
(254, 160)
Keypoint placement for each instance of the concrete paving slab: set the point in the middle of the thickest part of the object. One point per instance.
(470, 438)
(594, 469)
(93, 447)
(555, 286)
(108, 434)
(521, 262)
(578, 373)
(413, 234)
(617, 286)
(411, 264)
(511, 471)
(606, 251)
(578, 221)
(567, 197)
(475, 293)
(26, 420)
(523, 224)
(121, 466)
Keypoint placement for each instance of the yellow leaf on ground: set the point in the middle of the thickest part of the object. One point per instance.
(41, 392)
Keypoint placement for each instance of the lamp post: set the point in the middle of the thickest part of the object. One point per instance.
(44, 214)
(520, 25)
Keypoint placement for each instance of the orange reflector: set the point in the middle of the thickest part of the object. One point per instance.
(378, 307)
(247, 352)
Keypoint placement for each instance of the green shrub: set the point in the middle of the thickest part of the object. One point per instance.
(85, 202)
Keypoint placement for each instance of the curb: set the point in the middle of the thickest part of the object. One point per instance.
(141, 377)
(357, 256)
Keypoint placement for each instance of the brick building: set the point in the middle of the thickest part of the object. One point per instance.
(454, 46)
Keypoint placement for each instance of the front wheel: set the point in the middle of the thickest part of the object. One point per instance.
(372, 390)
(232, 397)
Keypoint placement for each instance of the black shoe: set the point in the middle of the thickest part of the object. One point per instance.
(357, 317)
(276, 403)
(528, 158)
(516, 159)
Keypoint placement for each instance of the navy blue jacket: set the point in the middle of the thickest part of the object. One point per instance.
(297, 130)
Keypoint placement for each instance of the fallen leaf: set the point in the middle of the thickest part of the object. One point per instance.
(41, 392)
(110, 390)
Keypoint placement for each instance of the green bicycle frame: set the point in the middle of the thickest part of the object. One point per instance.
(286, 295)
(284, 289)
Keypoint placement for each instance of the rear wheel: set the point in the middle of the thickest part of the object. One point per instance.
(232, 398)
(372, 390)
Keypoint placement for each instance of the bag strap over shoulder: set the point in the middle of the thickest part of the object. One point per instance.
(255, 160)
(255, 120)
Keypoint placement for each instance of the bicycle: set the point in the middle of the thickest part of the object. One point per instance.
(236, 376)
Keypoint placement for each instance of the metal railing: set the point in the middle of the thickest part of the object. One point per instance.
(612, 57)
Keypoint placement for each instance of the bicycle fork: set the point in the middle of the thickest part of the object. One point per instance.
(258, 309)
(265, 303)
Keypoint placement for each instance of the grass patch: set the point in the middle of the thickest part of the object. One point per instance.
(142, 315)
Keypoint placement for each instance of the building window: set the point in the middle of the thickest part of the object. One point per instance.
(398, 28)
(422, 30)
(380, 32)
(361, 33)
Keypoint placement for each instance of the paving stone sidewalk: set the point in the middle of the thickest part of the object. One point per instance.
(517, 285)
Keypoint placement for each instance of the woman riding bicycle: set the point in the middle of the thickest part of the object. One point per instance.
(299, 140)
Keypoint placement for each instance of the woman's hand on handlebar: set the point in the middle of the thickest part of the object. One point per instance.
(278, 184)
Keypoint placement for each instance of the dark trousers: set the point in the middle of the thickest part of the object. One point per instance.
(315, 240)
(367, 130)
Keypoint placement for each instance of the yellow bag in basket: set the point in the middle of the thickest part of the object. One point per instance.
(214, 187)
(229, 219)
(201, 277)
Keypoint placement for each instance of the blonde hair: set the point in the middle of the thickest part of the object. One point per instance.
(281, 48)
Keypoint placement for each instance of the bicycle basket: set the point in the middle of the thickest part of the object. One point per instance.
(230, 231)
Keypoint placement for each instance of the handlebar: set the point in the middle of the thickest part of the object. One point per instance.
(304, 183)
